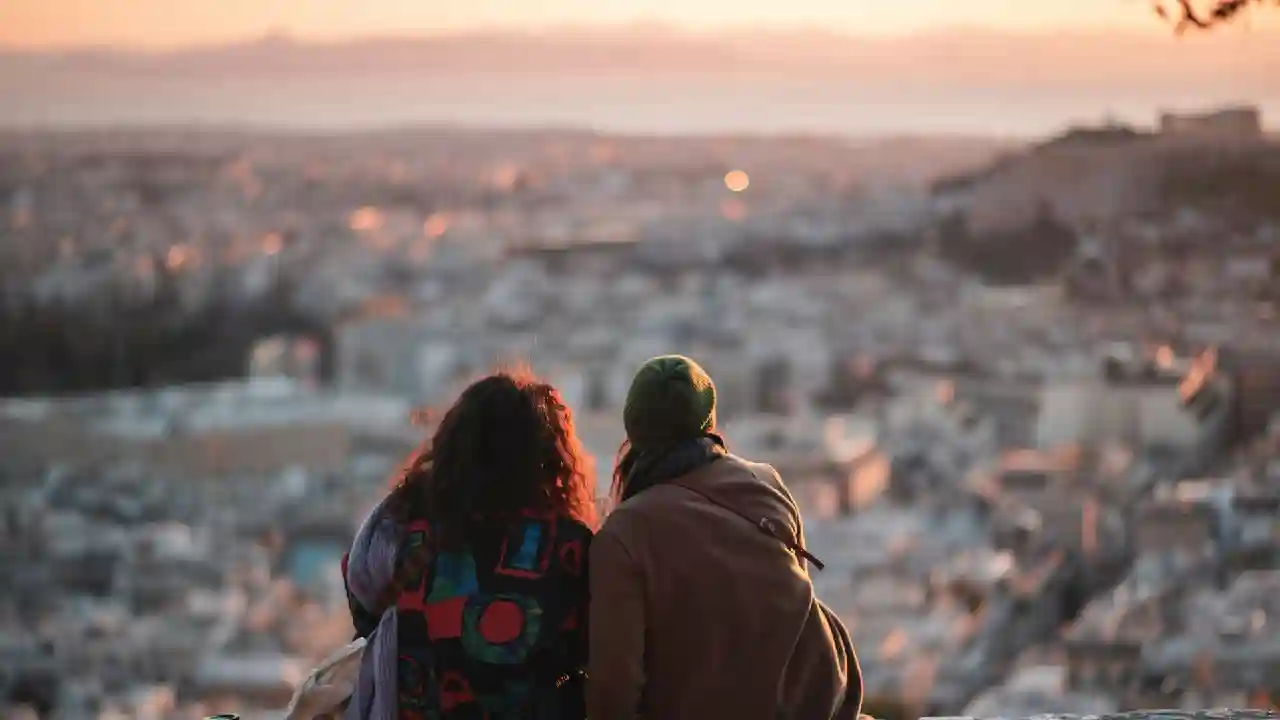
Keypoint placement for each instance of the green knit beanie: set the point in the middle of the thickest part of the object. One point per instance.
(671, 399)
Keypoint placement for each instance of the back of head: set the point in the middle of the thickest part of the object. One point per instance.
(508, 444)
(671, 399)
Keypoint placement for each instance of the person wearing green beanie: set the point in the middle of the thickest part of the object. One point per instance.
(702, 558)
(670, 419)
(671, 399)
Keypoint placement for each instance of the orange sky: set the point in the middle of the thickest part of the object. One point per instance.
(167, 23)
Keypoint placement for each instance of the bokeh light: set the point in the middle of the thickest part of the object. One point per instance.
(737, 180)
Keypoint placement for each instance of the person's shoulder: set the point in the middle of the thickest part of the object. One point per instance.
(762, 471)
(767, 474)
(655, 499)
(759, 467)
(629, 516)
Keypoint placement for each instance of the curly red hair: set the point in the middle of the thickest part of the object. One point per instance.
(507, 445)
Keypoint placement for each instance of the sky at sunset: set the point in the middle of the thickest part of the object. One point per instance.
(1009, 67)
(169, 23)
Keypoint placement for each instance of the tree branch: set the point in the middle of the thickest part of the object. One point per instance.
(1187, 15)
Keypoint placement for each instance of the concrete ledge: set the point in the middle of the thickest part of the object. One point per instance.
(1222, 714)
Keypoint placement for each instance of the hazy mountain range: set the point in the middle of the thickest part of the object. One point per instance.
(961, 81)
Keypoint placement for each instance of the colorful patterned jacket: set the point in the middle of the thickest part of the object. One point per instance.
(495, 628)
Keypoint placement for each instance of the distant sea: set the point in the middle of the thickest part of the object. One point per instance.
(648, 105)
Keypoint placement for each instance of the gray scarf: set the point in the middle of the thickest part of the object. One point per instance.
(370, 570)
(655, 467)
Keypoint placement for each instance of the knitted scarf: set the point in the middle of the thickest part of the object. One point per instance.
(655, 467)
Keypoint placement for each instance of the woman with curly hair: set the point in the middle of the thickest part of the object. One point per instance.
(469, 579)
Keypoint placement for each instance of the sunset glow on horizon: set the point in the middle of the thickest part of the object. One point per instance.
(162, 23)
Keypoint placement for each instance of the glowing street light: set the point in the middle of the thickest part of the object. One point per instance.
(365, 219)
(436, 225)
(272, 244)
(737, 181)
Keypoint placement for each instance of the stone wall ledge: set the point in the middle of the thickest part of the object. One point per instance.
(1220, 714)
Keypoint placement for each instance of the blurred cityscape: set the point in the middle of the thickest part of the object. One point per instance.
(1028, 394)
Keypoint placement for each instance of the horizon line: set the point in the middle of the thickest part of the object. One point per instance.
(249, 128)
(322, 132)
(615, 31)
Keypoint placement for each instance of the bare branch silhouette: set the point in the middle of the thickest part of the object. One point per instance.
(1188, 14)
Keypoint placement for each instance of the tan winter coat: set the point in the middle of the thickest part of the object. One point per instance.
(697, 615)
